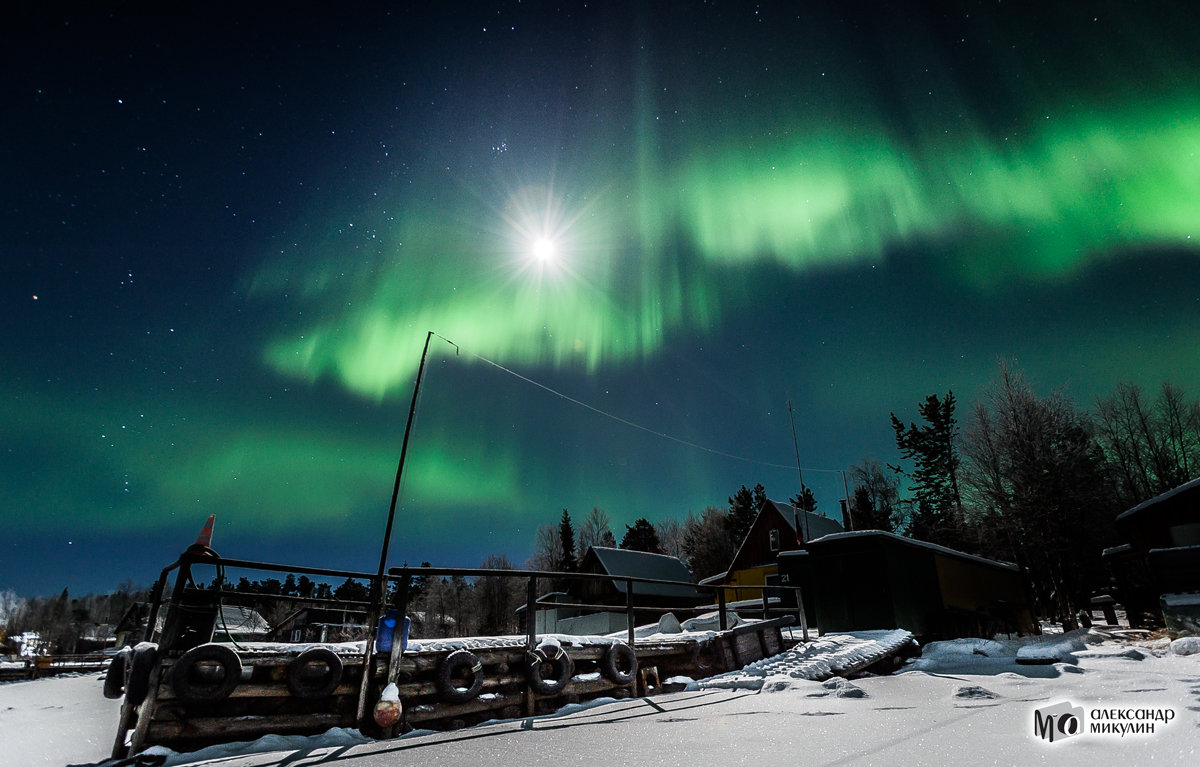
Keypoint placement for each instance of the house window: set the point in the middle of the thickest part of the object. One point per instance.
(775, 539)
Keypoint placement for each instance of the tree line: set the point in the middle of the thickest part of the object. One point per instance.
(1029, 479)
(66, 624)
(704, 541)
(1034, 480)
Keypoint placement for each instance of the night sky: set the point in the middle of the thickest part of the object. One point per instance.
(226, 231)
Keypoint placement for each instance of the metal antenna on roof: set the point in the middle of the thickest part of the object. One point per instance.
(796, 445)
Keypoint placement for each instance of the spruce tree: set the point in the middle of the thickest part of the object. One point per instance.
(937, 510)
(566, 533)
(641, 536)
(742, 512)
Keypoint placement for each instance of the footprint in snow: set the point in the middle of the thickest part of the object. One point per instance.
(843, 689)
(975, 692)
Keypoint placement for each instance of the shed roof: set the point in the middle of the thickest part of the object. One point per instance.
(1173, 497)
(933, 547)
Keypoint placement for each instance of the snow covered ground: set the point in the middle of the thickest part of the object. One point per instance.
(963, 702)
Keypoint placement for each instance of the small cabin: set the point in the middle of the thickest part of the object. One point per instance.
(321, 624)
(561, 612)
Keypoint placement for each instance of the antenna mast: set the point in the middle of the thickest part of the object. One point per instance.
(799, 471)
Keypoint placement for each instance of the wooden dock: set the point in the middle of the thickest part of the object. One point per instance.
(263, 702)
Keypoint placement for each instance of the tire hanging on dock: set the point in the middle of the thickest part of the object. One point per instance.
(302, 682)
(550, 675)
(450, 673)
(619, 664)
(137, 673)
(114, 678)
(195, 677)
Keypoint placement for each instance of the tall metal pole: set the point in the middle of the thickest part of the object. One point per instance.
(412, 412)
(378, 588)
(796, 444)
(846, 488)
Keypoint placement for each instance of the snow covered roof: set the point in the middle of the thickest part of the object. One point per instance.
(909, 542)
(641, 564)
(814, 525)
(1170, 495)
(236, 619)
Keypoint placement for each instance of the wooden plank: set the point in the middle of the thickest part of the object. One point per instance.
(412, 690)
(772, 642)
(248, 690)
(429, 661)
(221, 728)
(748, 648)
(426, 712)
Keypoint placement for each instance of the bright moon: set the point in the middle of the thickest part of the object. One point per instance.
(543, 249)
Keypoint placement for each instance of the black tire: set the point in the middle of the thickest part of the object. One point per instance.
(137, 677)
(550, 675)
(188, 677)
(301, 680)
(114, 678)
(619, 664)
(449, 675)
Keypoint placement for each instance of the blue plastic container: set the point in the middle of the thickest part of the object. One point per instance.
(385, 633)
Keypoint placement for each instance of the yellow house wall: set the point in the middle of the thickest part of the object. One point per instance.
(748, 583)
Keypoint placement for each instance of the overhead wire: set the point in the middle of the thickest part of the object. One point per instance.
(625, 421)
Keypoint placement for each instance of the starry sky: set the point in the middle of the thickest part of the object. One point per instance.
(227, 230)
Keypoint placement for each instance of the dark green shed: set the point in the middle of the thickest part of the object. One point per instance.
(870, 579)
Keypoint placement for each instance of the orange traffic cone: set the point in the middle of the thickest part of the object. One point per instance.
(203, 544)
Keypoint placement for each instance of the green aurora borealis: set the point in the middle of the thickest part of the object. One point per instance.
(847, 208)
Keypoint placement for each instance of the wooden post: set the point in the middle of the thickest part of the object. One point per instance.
(766, 602)
(629, 609)
(530, 639)
(724, 620)
(146, 709)
(155, 604)
(128, 718)
(397, 637)
(803, 617)
(531, 614)
(402, 588)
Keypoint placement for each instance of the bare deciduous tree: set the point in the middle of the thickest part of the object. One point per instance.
(1151, 446)
(707, 545)
(670, 536)
(1039, 491)
(876, 501)
(596, 530)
